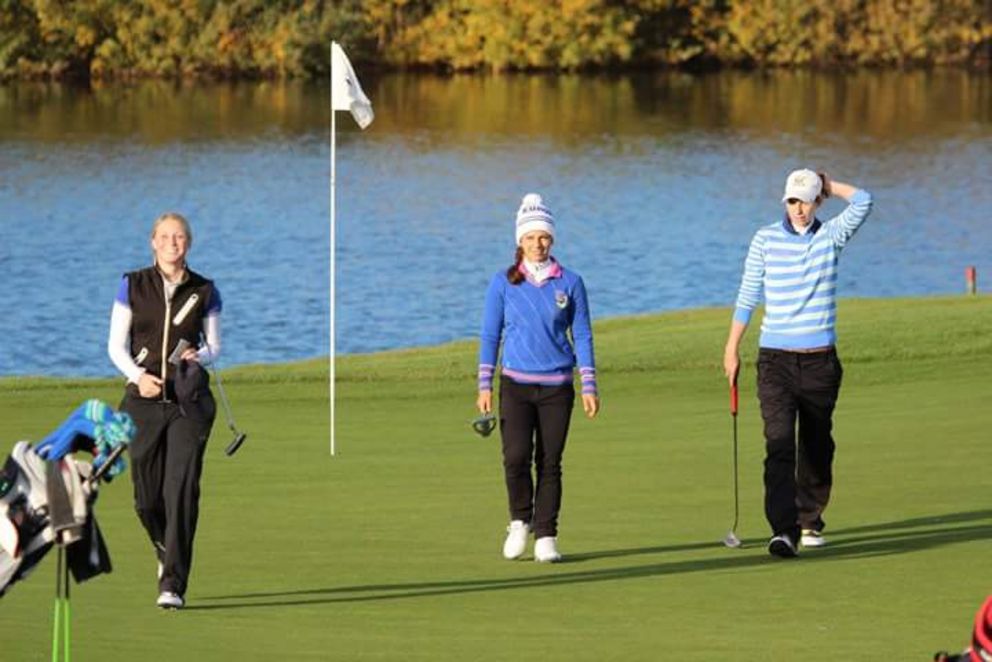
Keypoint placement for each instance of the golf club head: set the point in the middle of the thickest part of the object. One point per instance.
(233, 447)
(484, 425)
(732, 540)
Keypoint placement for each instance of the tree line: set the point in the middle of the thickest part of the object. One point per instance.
(106, 39)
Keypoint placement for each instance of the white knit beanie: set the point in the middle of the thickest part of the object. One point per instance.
(533, 215)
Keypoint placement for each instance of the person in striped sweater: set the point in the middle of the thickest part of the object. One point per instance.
(793, 264)
(532, 307)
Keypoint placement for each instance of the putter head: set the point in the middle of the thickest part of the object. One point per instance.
(732, 540)
(233, 447)
(484, 425)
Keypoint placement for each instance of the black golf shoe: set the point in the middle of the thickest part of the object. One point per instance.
(783, 547)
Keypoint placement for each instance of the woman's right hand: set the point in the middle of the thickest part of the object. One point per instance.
(484, 402)
(149, 386)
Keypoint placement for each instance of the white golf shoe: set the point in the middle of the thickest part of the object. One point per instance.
(170, 600)
(516, 539)
(546, 550)
(812, 538)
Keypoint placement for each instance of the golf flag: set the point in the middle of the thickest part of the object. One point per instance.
(346, 94)
(346, 91)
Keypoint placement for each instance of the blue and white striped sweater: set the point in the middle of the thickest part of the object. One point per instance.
(797, 274)
(533, 320)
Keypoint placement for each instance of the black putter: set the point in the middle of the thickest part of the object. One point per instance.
(239, 437)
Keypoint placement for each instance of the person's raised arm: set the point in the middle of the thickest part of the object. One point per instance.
(843, 226)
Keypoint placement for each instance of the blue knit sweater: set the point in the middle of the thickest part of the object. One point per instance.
(534, 321)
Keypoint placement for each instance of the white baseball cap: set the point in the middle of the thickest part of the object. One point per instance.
(803, 184)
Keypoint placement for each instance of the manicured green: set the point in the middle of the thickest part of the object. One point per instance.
(390, 551)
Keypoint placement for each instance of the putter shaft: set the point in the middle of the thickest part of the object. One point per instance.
(731, 540)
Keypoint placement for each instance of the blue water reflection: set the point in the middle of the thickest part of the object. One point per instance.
(657, 188)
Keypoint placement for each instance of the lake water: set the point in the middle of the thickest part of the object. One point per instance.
(657, 183)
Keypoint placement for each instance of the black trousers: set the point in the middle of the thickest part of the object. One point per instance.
(534, 424)
(798, 387)
(166, 463)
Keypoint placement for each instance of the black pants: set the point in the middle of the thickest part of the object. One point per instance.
(799, 387)
(166, 462)
(534, 424)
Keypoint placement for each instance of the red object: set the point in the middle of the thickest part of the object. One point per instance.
(971, 278)
(981, 641)
(733, 399)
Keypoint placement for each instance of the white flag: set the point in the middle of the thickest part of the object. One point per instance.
(346, 92)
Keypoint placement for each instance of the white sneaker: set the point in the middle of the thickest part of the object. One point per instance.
(546, 550)
(516, 539)
(170, 600)
(812, 538)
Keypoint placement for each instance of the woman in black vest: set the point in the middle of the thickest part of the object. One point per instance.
(160, 315)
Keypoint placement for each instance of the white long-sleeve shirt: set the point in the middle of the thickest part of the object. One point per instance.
(119, 339)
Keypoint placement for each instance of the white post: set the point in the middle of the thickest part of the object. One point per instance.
(333, 246)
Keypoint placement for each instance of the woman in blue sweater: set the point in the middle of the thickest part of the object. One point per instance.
(532, 306)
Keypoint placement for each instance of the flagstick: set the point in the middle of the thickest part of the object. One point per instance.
(333, 184)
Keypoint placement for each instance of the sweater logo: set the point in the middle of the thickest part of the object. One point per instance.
(561, 299)
(184, 311)
(141, 355)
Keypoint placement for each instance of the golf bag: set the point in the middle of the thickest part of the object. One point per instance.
(47, 495)
(981, 639)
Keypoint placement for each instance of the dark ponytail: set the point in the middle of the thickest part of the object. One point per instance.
(513, 274)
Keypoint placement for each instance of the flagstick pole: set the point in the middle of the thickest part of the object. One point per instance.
(333, 246)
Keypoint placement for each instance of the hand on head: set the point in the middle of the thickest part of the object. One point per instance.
(825, 185)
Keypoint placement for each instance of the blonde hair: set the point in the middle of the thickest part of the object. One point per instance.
(174, 216)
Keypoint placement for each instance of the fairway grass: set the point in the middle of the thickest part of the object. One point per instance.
(391, 549)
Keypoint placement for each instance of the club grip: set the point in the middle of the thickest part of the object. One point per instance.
(733, 399)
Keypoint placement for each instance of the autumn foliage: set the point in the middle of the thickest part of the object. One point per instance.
(290, 38)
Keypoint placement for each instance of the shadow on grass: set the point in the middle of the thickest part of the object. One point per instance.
(878, 540)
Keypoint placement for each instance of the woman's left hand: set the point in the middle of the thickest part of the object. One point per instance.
(190, 355)
(590, 403)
